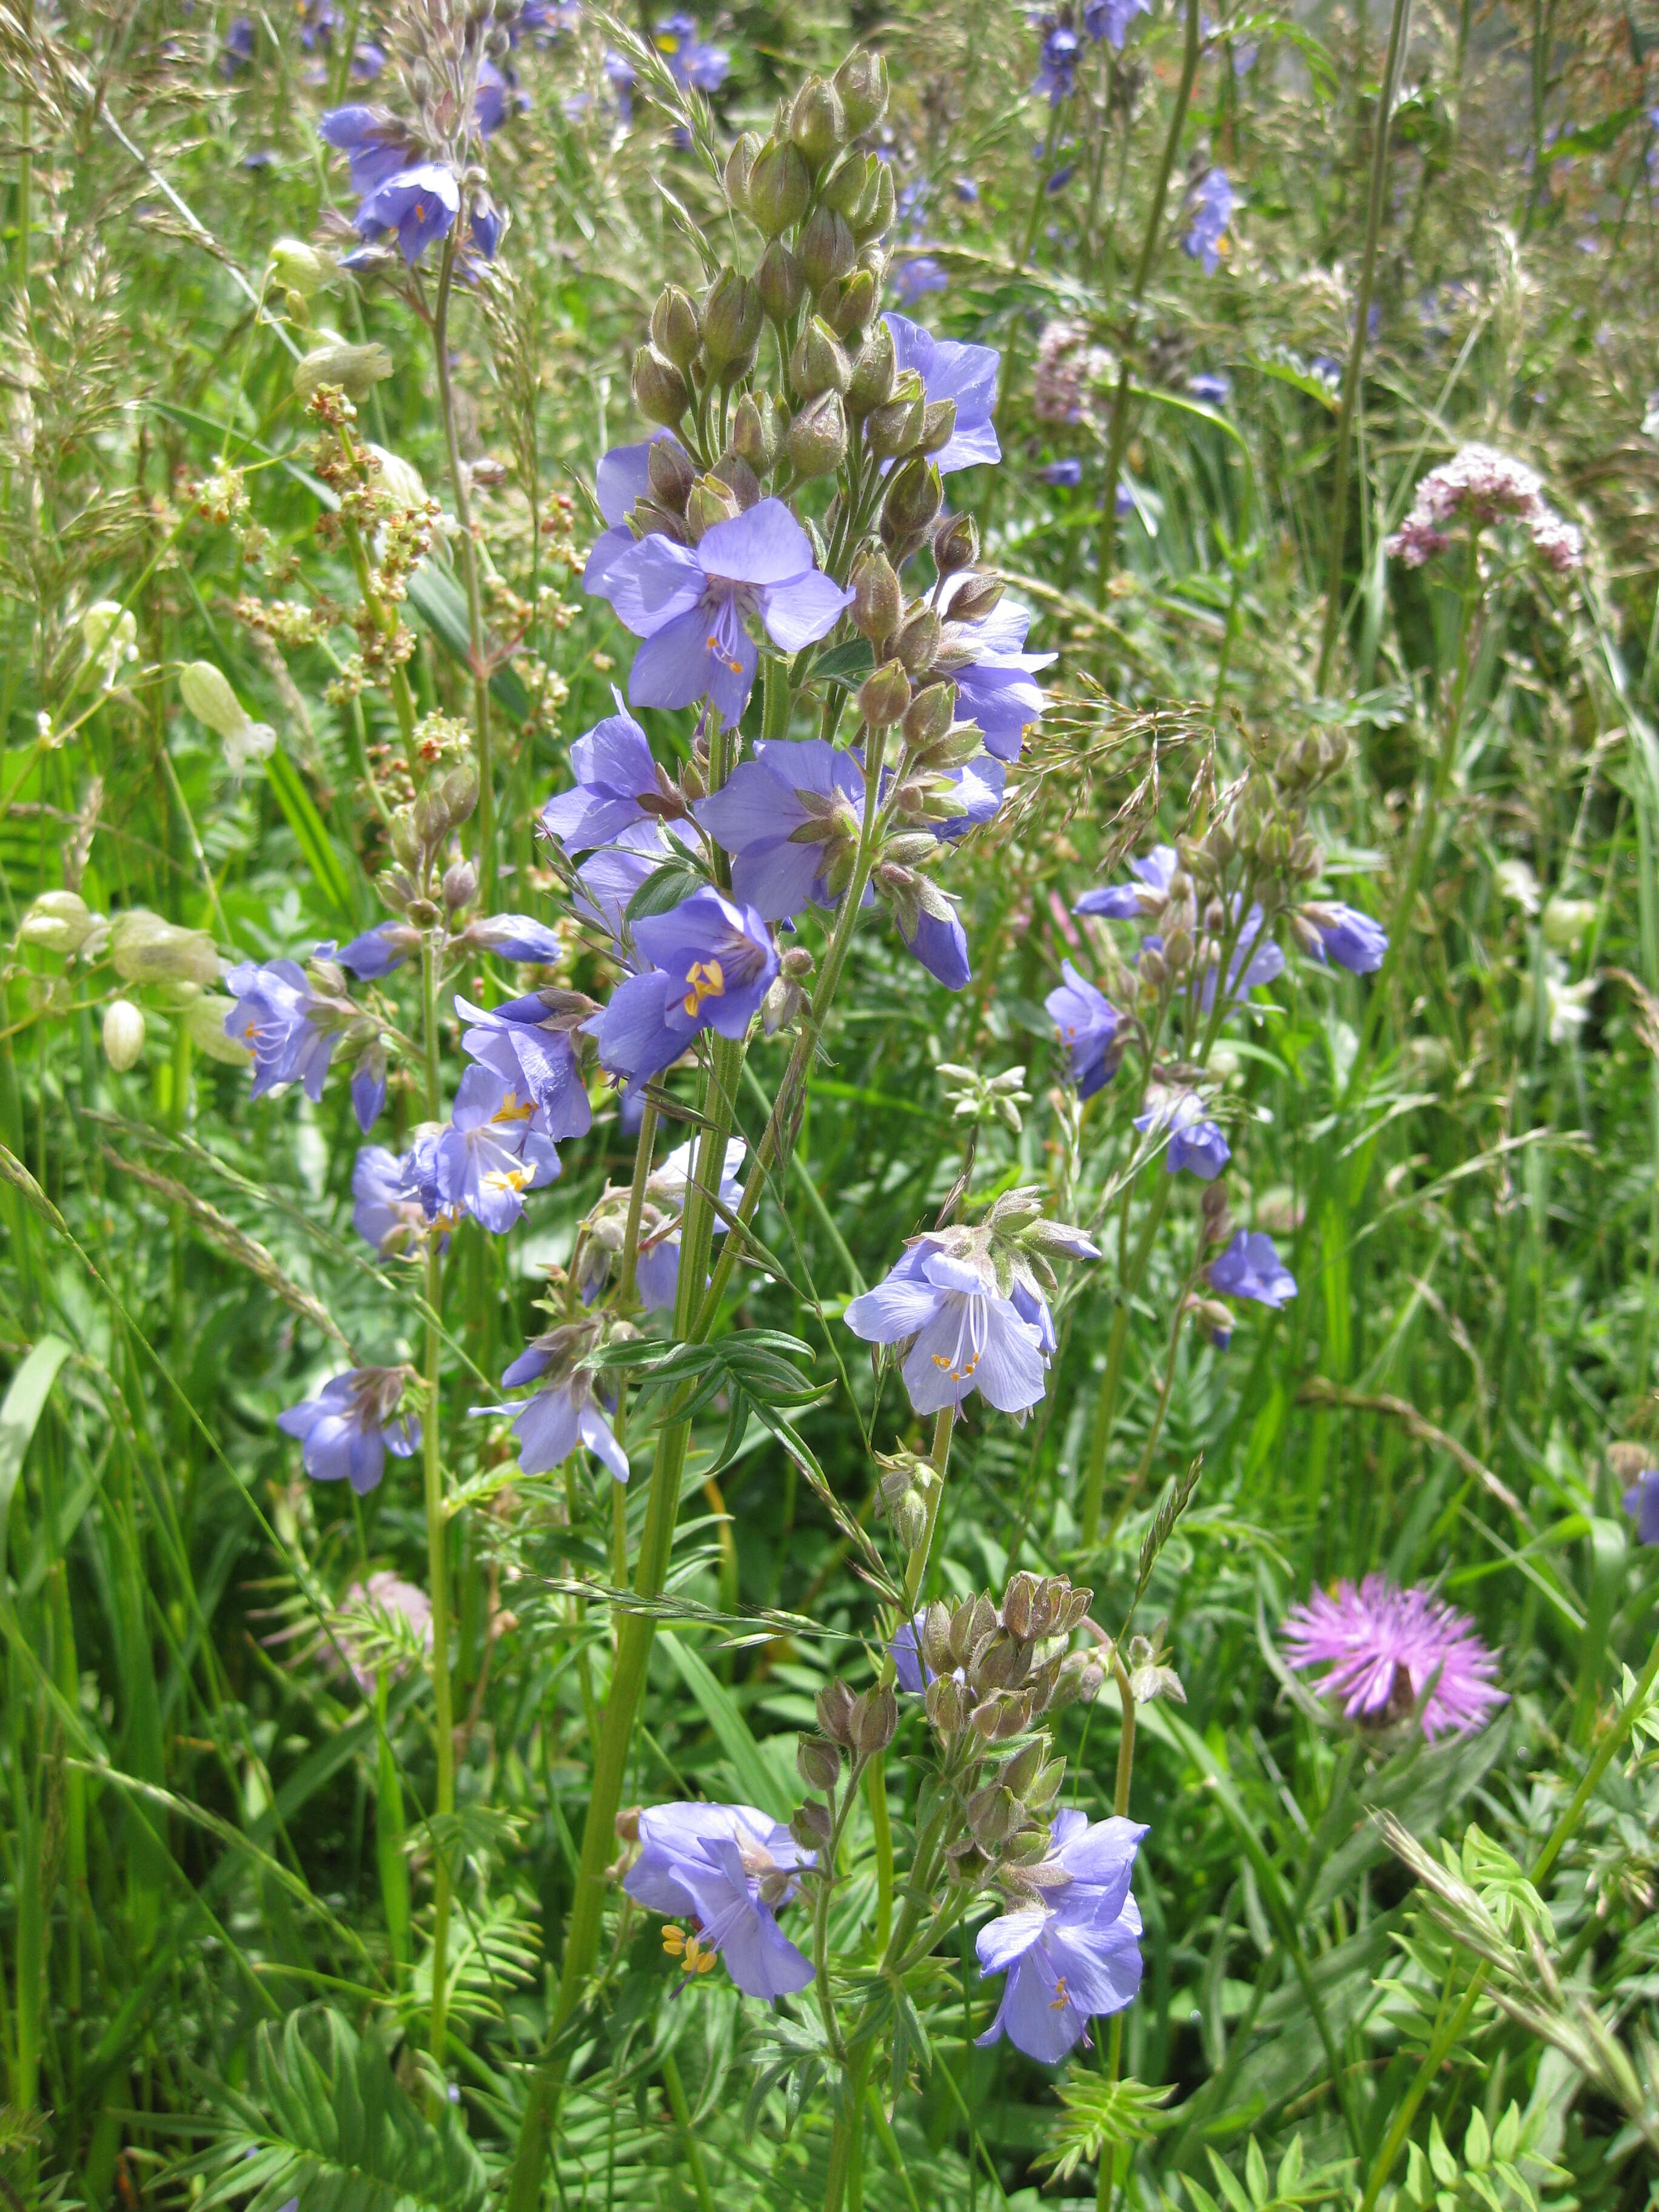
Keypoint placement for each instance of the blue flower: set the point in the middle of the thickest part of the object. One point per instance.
(623, 476)
(1195, 1143)
(380, 950)
(713, 963)
(1251, 1268)
(618, 785)
(490, 1155)
(283, 1023)
(621, 73)
(728, 1868)
(513, 937)
(964, 373)
(1642, 1501)
(385, 1212)
(960, 1331)
(996, 688)
(939, 941)
(1110, 19)
(1058, 64)
(347, 1428)
(690, 60)
(1213, 386)
(240, 41)
(608, 879)
(563, 1415)
(419, 204)
(1213, 204)
(1067, 474)
(1344, 935)
(656, 1272)
(368, 1079)
(526, 1042)
(1087, 1024)
(790, 818)
(917, 274)
(1122, 901)
(911, 1669)
(1074, 1955)
(690, 603)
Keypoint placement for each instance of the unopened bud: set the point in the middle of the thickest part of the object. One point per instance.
(781, 281)
(628, 1824)
(826, 247)
(1017, 1601)
(930, 715)
(818, 363)
(817, 437)
(848, 305)
(956, 545)
(993, 1814)
(740, 162)
(144, 949)
(846, 182)
(460, 885)
(779, 187)
(1023, 1769)
(947, 1704)
(1178, 949)
(300, 267)
(877, 208)
(460, 791)
(674, 327)
(893, 428)
(731, 318)
(818, 1762)
(877, 599)
(755, 434)
(672, 471)
(909, 1519)
(914, 495)
(873, 372)
(833, 1705)
(659, 391)
(917, 641)
(124, 1034)
(817, 121)
(355, 369)
(732, 470)
(812, 1826)
(973, 600)
(58, 921)
(874, 1722)
(1153, 970)
(939, 425)
(861, 81)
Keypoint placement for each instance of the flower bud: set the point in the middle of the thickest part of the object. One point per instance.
(835, 1710)
(1565, 920)
(993, 1814)
(947, 1704)
(1152, 969)
(781, 281)
(874, 1722)
(779, 187)
(739, 164)
(1023, 1769)
(208, 697)
(935, 1637)
(672, 471)
(460, 885)
(914, 495)
(877, 208)
(674, 327)
(894, 427)
(917, 641)
(300, 267)
(812, 1826)
(819, 362)
(204, 1020)
(847, 182)
(939, 425)
(144, 949)
(124, 1034)
(909, 1520)
(818, 1762)
(1178, 949)
(355, 369)
(873, 370)
(884, 696)
(58, 921)
(817, 121)
(659, 391)
(755, 433)
(713, 500)
(460, 791)
(976, 598)
(1018, 1604)
(817, 437)
(827, 251)
(930, 715)
(733, 470)
(861, 81)
(877, 599)
(850, 303)
(956, 545)
(732, 316)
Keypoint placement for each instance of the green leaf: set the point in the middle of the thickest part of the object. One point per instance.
(1477, 2143)
(1594, 138)
(755, 1776)
(25, 1402)
(665, 888)
(847, 664)
(1256, 2172)
(1098, 2118)
(1444, 2164)
(327, 872)
(1507, 2134)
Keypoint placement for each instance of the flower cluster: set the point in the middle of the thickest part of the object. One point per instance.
(1479, 487)
(1387, 1650)
(729, 1869)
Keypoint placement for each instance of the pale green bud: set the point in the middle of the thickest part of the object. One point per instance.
(300, 267)
(355, 369)
(124, 1034)
(58, 921)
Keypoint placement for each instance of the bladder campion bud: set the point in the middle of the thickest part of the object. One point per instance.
(58, 921)
(124, 1034)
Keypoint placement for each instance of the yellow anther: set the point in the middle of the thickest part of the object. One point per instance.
(705, 979)
(673, 1940)
(1059, 2001)
(505, 1179)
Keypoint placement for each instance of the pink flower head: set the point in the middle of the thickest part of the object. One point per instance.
(1384, 1647)
(1480, 486)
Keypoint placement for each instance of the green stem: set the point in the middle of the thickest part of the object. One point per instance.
(437, 1571)
(875, 1791)
(1106, 2184)
(1119, 436)
(681, 2110)
(1094, 1485)
(470, 577)
(1385, 100)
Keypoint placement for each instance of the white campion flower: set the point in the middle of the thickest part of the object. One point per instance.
(111, 632)
(208, 695)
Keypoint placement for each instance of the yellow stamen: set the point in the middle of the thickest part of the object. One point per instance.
(673, 1940)
(505, 1179)
(706, 979)
(1060, 2000)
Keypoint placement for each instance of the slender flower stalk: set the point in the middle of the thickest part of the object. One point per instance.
(629, 1268)
(470, 578)
(437, 1569)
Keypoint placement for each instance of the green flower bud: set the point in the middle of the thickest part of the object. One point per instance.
(819, 363)
(144, 949)
(914, 496)
(878, 599)
(732, 316)
(877, 208)
(817, 121)
(781, 281)
(827, 250)
(58, 921)
(956, 546)
(755, 433)
(675, 330)
(893, 428)
(847, 183)
(733, 470)
(909, 1519)
(659, 391)
(835, 1710)
(817, 437)
(739, 163)
(205, 1019)
(300, 267)
(355, 369)
(873, 1721)
(849, 304)
(711, 501)
(884, 696)
(861, 80)
(930, 715)
(917, 641)
(779, 187)
(460, 792)
(818, 1762)
(976, 598)
(1567, 919)
(208, 697)
(874, 368)
(672, 473)
(124, 1034)
(939, 425)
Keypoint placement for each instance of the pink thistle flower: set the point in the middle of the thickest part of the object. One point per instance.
(1384, 1647)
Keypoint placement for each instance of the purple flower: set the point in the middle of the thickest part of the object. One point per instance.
(490, 1155)
(1058, 64)
(997, 687)
(1122, 901)
(690, 603)
(368, 61)
(373, 141)
(526, 1042)
(656, 1272)
(1212, 211)
(380, 950)
(1213, 386)
(1195, 1143)
(490, 100)
(912, 1670)
(727, 1867)
(1086, 1023)
(513, 937)
(691, 61)
(1251, 1268)
(981, 784)
(1123, 500)
(618, 785)
(369, 1084)
(1642, 1501)
(713, 963)
(347, 1428)
(790, 818)
(563, 1415)
(608, 879)
(1384, 1646)
(1065, 474)
(1110, 19)
(1256, 960)
(282, 1022)
(939, 941)
(623, 476)
(1344, 935)
(239, 40)
(384, 1213)
(620, 73)
(371, 1615)
(1074, 1956)
(420, 204)
(960, 1332)
(965, 374)
(917, 274)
